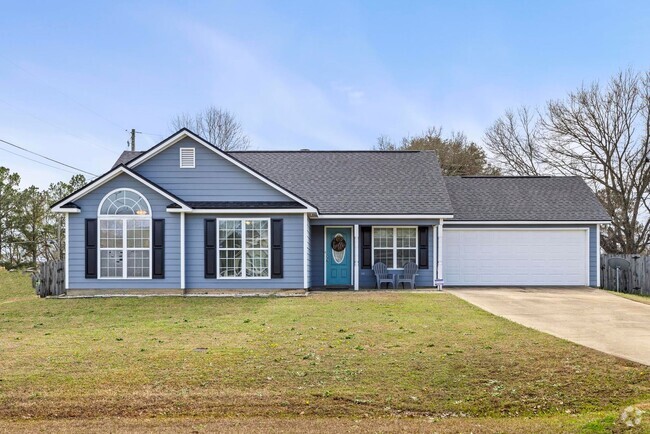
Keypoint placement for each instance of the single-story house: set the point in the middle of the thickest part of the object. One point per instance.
(187, 216)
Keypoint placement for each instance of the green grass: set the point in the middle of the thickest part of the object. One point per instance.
(640, 298)
(340, 355)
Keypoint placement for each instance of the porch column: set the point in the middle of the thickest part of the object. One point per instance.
(355, 263)
(66, 264)
(306, 237)
(183, 251)
(439, 267)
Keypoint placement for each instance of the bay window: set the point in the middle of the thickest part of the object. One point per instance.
(394, 246)
(243, 248)
(124, 236)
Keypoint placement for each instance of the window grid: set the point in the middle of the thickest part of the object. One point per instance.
(244, 248)
(124, 236)
(394, 246)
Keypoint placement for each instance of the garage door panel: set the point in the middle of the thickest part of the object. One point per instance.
(515, 257)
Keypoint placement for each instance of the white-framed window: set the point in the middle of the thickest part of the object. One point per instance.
(394, 246)
(124, 217)
(243, 248)
(187, 158)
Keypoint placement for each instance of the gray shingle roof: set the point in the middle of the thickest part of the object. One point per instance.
(357, 182)
(523, 199)
(126, 157)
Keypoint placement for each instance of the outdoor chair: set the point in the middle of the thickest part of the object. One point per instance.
(408, 276)
(382, 275)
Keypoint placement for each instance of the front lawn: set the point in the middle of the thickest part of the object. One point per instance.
(399, 358)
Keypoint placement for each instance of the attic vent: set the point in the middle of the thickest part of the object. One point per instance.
(187, 158)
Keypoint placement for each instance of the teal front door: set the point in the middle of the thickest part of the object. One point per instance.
(338, 263)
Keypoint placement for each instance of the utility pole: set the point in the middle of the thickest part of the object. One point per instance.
(132, 139)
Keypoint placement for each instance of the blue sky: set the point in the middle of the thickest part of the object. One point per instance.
(319, 75)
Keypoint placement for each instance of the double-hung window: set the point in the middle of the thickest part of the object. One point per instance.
(394, 246)
(244, 248)
(124, 236)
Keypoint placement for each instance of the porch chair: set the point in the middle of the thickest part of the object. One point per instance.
(410, 271)
(382, 275)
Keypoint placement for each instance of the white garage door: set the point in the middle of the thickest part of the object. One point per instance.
(487, 257)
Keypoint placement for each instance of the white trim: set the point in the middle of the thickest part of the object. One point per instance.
(394, 228)
(125, 249)
(356, 257)
(181, 156)
(447, 228)
(585, 230)
(108, 177)
(439, 234)
(101, 204)
(325, 250)
(597, 256)
(243, 250)
(67, 251)
(238, 211)
(182, 224)
(527, 222)
(68, 210)
(383, 216)
(434, 236)
(305, 251)
(587, 256)
(185, 133)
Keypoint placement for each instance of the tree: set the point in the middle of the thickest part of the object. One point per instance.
(456, 154)
(8, 193)
(601, 133)
(220, 127)
(55, 222)
(514, 141)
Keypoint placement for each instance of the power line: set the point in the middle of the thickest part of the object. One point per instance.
(47, 158)
(39, 162)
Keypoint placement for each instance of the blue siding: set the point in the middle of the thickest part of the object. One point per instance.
(89, 204)
(594, 248)
(213, 178)
(292, 249)
(366, 276)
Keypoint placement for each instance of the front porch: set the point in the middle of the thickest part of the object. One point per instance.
(342, 252)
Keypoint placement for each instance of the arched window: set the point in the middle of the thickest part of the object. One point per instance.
(124, 236)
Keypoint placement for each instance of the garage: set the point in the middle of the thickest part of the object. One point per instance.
(515, 256)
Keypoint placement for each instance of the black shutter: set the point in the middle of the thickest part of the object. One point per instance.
(210, 249)
(366, 246)
(158, 249)
(423, 246)
(91, 248)
(276, 249)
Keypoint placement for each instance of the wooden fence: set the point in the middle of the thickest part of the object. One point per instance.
(634, 281)
(49, 278)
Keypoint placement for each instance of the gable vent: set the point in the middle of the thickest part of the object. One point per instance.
(187, 158)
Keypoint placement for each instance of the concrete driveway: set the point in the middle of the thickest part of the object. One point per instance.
(587, 316)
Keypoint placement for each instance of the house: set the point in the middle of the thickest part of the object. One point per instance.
(186, 216)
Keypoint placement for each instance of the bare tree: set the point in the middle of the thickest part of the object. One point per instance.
(602, 134)
(514, 140)
(219, 126)
(457, 155)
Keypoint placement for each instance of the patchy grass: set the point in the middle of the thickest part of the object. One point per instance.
(640, 298)
(399, 359)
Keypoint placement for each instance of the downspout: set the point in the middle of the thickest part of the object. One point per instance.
(183, 252)
(439, 265)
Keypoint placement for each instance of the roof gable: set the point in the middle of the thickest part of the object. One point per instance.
(185, 136)
(66, 204)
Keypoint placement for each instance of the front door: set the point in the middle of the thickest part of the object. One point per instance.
(338, 256)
